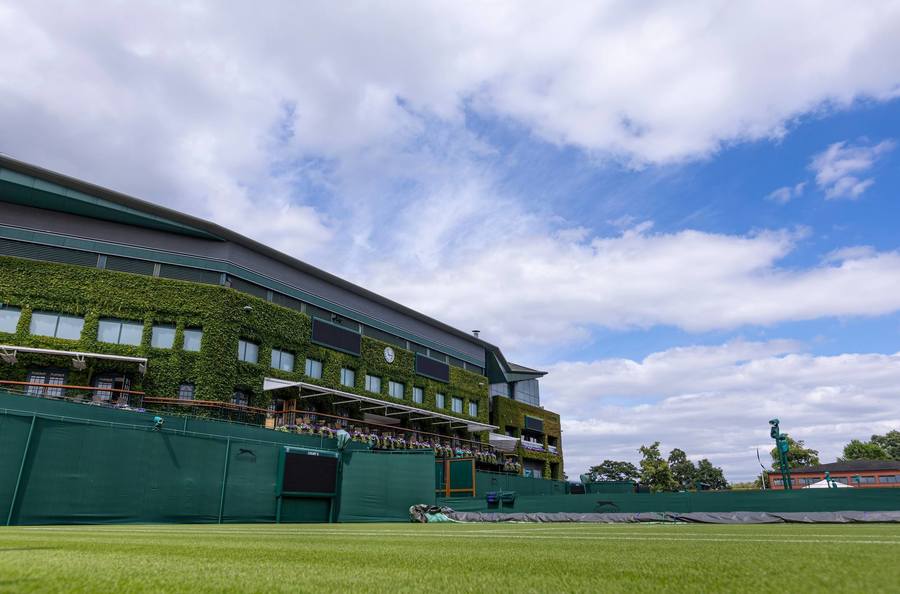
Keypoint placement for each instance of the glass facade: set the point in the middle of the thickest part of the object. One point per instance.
(500, 389)
(527, 391)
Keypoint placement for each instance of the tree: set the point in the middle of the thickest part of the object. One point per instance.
(863, 450)
(711, 475)
(614, 470)
(890, 443)
(655, 471)
(798, 455)
(683, 470)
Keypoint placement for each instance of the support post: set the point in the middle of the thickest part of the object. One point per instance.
(224, 479)
(15, 497)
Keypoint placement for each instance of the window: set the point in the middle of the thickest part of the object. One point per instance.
(809, 480)
(163, 337)
(473, 409)
(777, 482)
(440, 400)
(500, 389)
(418, 395)
(192, 338)
(314, 368)
(248, 351)
(457, 404)
(120, 331)
(56, 378)
(866, 480)
(888, 478)
(240, 397)
(56, 325)
(373, 384)
(282, 360)
(396, 389)
(348, 377)
(528, 391)
(111, 382)
(186, 391)
(9, 318)
(840, 479)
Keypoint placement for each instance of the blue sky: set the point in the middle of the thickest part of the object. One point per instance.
(686, 214)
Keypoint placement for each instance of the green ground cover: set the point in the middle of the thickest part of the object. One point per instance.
(450, 558)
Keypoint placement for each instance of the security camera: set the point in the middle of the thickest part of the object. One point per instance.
(248, 308)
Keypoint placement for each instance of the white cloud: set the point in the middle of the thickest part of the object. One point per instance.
(716, 401)
(529, 288)
(839, 167)
(785, 194)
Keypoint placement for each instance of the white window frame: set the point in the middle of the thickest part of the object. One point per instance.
(280, 358)
(371, 380)
(473, 409)
(344, 377)
(396, 389)
(244, 351)
(440, 400)
(454, 401)
(418, 395)
(309, 366)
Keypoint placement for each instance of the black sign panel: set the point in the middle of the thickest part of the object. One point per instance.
(335, 337)
(309, 473)
(436, 370)
(534, 424)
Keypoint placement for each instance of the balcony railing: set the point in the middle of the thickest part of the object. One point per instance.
(100, 396)
(533, 446)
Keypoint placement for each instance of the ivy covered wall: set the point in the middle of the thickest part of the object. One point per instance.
(507, 412)
(220, 313)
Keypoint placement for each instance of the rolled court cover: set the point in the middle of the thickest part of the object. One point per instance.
(843, 517)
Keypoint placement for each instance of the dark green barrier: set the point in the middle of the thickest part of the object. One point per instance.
(381, 486)
(486, 481)
(800, 500)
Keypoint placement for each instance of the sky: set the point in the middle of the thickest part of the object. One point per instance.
(686, 214)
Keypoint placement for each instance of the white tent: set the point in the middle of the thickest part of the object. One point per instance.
(823, 484)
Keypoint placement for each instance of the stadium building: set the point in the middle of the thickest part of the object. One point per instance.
(107, 299)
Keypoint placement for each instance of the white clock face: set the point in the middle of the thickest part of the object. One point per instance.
(389, 354)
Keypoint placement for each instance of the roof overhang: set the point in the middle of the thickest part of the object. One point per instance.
(8, 354)
(307, 390)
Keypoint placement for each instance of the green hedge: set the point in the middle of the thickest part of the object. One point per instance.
(219, 311)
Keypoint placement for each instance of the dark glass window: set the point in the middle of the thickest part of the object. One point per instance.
(186, 391)
(527, 391)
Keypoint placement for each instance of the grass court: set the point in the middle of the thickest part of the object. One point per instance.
(495, 558)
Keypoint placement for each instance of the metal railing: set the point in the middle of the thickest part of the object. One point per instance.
(101, 396)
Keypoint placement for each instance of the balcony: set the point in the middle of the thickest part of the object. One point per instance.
(533, 446)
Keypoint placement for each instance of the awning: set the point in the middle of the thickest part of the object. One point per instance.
(385, 407)
(8, 354)
(504, 443)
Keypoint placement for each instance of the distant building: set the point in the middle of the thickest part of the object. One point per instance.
(856, 473)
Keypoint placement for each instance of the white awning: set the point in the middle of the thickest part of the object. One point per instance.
(8, 354)
(388, 408)
(504, 443)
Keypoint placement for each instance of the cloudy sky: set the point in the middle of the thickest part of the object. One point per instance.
(687, 214)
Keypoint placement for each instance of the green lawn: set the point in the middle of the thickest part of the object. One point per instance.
(450, 558)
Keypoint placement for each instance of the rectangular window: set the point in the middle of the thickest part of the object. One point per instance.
(56, 325)
(440, 400)
(373, 384)
(56, 378)
(418, 395)
(348, 377)
(457, 404)
(396, 389)
(248, 351)
(888, 478)
(186, 391)
(314, 368)
(473, 409)
(163, 337)
(9, 318)
(192, 339)
(282, 360)
(240, 397)
(120, 331)
(867, 480)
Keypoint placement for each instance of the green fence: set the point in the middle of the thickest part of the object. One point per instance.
(381, 486)
(486, 481)
(63, 462)
(800, 500)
